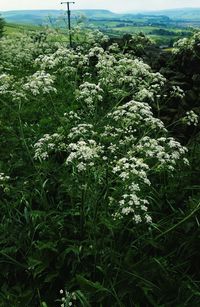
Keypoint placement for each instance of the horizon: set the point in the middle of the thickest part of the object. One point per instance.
(103, 9)
(112, 5)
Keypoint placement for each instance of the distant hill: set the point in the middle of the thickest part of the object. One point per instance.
(40, 16)
(30, 17)
(96, 13)
(190, 14)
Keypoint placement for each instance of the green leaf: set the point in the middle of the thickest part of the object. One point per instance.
(90, 285)
(82, 299)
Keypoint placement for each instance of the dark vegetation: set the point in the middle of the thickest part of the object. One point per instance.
(2, 25)
(181, 69)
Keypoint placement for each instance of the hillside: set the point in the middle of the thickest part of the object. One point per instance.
(40, 16)
(30, 17)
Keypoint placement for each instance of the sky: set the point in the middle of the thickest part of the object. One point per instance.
(113, 5)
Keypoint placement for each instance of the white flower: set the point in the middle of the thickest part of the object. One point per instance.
(48, 143)
(40, 83)
(137, 218)
(191, 118)
(90, 95)
(148, 218)
(85, 153)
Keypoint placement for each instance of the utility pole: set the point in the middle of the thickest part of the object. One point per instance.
(69, 20)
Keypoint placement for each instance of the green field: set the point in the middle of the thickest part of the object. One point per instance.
(110, 28)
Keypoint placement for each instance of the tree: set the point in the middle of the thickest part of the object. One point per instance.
(2, 24)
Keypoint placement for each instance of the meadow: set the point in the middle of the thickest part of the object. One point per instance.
(162, 33)
(99, 170)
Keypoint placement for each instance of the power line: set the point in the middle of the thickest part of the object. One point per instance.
(69, 19)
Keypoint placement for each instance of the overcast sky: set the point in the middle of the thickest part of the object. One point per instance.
(114, 5)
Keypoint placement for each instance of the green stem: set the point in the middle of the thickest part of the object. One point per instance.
(82, 214)
(178, 224)
(23, 136)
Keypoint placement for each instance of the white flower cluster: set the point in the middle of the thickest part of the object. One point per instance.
(187, 43)
(129, 144)
(22, 50)
(125, 136)
(165, 151)
(124, 76)
(40, 83)
(135, 114)
(9, 87)
(4, 182)
(68, 299)
(47, 144)
(5, 83)
(81, 131)
(18, 53)
(133, 159)
(177, 92)
(95, 37)
(132, 172)
(114, 48)
(191, 118)
(84, 154)
(133, 204)
(181, 45)
(63, 61)
(3, 178)
(95, 51)
(89, 95)
(72, 117)
(131, 168)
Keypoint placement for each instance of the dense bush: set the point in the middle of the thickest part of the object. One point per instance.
(99, 204)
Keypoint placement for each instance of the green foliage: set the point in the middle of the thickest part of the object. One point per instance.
(2, 25)
(98, 207)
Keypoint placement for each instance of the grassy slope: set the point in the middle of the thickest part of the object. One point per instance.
(12, 29)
